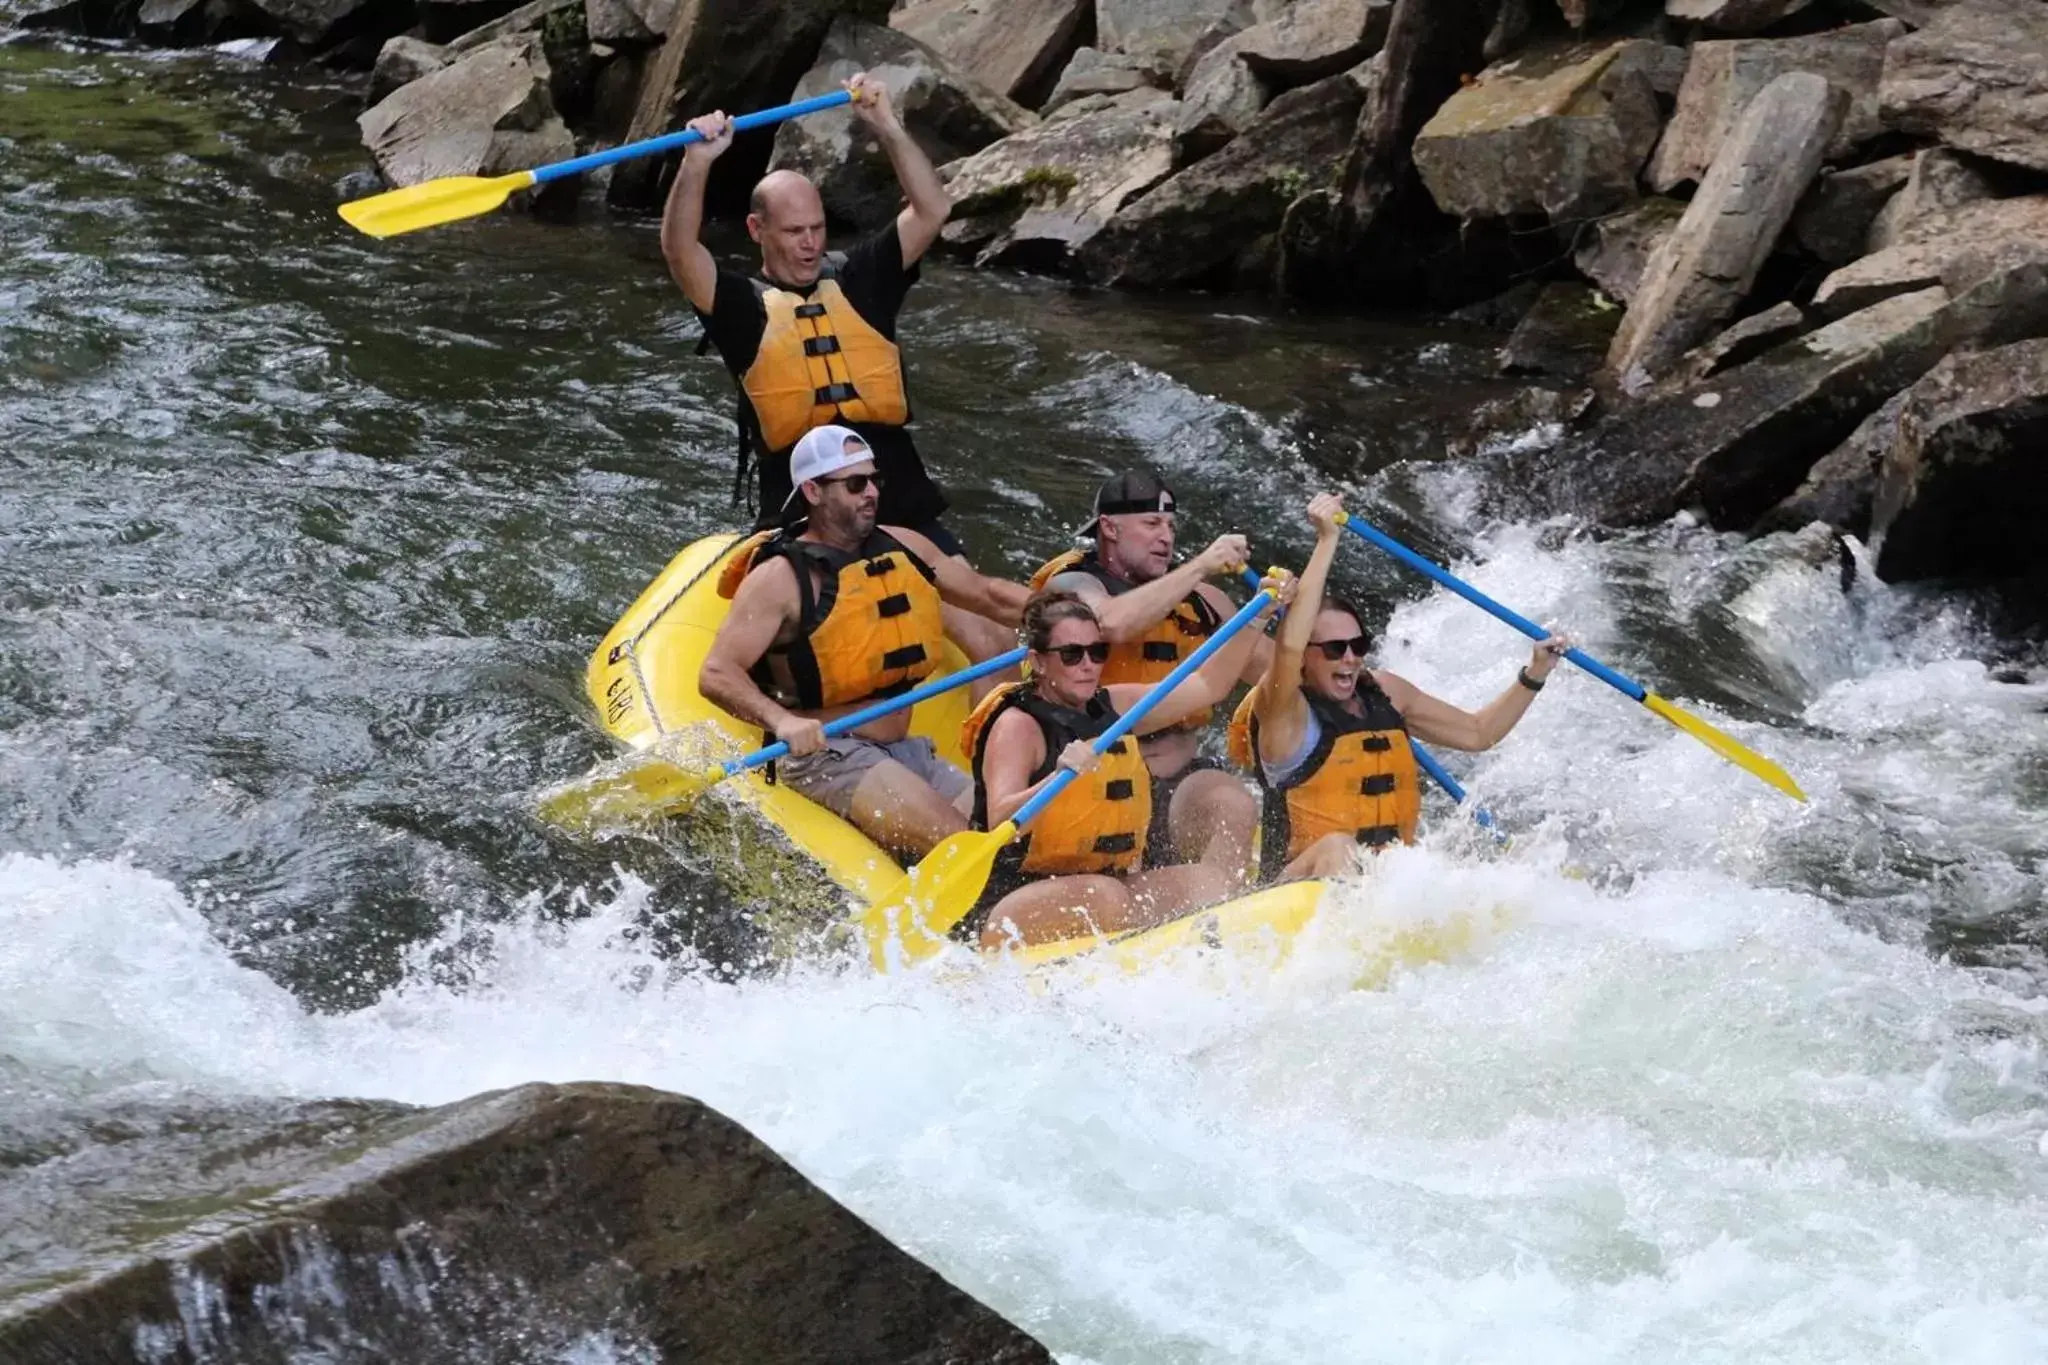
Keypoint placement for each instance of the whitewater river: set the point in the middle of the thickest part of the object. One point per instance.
(305, 539)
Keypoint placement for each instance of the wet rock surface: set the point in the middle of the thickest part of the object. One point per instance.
(1976, 77)
(1043, 193)
(1935, 249)
(1962, 491)
(519, 1224)
(1561, 133)
(948, 114)
(1612, 251)
(1834, 220)
(1723, 77)
(1012, 47)
(1203, 216)
(488, 113)
(1564, 336)
(1701, 272)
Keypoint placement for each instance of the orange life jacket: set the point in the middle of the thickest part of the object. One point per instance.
(1360, 778)
(874, 630)
(820, 361)
(1098, 823)
(1150, 656)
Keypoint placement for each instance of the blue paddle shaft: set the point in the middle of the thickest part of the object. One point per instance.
(1374, 536)
(1128, 721)
(668, 142)
(853, 720)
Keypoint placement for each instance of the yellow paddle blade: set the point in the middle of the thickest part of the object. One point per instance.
(1726, 745)
(933, 896)
(649, 787)
(431, 204)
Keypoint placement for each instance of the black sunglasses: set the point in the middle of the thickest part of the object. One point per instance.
(856, 484)
(1337, 649)
(1071, 655)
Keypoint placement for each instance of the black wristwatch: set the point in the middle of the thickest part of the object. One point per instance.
(1522, 677)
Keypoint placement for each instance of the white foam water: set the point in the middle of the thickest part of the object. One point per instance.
(1692, 1120)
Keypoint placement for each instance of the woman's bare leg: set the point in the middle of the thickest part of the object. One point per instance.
(1057, 908)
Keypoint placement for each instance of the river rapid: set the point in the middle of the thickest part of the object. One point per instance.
(305, 540)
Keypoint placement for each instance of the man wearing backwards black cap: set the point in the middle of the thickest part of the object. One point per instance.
(824, 622)
(1155, 615)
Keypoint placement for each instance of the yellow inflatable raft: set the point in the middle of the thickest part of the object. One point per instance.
(643, 682)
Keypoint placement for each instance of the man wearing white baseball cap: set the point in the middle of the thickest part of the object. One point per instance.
(832, 616)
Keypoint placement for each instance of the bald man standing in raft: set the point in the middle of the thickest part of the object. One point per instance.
(811, 339)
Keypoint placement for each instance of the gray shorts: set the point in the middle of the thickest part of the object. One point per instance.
(829, 776)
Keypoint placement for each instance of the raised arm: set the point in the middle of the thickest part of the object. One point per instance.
(917, 226)
(765, 604)
(1213, 681)
(1280, 706)
(996, 598)
(1126, 616)
(1437, 721)
(682, 219)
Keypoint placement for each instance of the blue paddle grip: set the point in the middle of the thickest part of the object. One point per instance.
(1375, 536)
(668, 142)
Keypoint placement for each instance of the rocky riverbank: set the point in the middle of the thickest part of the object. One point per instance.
(579, 1222)
(1782, 259)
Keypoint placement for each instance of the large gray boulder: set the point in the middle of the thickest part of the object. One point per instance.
(1560, 131)
(1977, 78)
(1839, 487)
(948, 114)
(1963, 490)
(1723, 77)
(1312, 39)
(401, 61)
(315, 23)
(1834, 220)
(1733, 16)
(1161, 32)
(734, 55)
(1613, 251)
(1745, 340)
(1940, 180)
(1951, 248)
(488, 113)
(545, 1223)
(628, 21)
(1090, 72)
(1742, 441)
(1702, 271)
(1199, 220)
(1219, 100)
(1014, 47)
(1033, 198)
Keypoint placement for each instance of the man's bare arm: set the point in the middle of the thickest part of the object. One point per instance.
(682, 219)
(917, 226)
(764, 605)
(1127, 615)
(996, 598)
